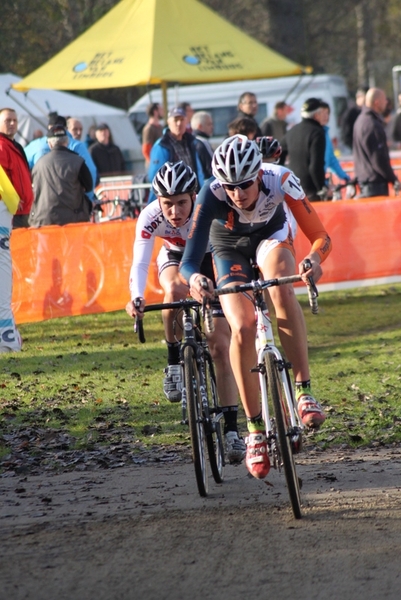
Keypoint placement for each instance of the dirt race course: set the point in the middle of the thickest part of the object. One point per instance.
(142, 532)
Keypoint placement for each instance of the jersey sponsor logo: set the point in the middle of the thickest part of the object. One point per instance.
(174, 241)
(215, 186)
(326, 246)
(264, 211)
(153, 225)
(194, 220)
(306, 205)
(236, 268)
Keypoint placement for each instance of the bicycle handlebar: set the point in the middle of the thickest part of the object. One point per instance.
(176, 304)
(256, 284)
(264, 284)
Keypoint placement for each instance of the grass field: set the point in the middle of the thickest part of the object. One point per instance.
(85, 383)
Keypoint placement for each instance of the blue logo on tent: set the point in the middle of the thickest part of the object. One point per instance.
(80, 67)
(191, 60)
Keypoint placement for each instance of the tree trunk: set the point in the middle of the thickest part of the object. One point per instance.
(364, 43)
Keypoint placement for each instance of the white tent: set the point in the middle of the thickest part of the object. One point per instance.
(34, 106)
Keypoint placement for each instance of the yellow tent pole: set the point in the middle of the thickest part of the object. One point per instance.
(165, 102)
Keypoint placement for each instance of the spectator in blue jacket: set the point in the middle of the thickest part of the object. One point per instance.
(330, 159)
(39, 147)
(175, 144)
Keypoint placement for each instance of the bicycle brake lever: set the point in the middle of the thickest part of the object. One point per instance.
(312, 289)
(206, 310)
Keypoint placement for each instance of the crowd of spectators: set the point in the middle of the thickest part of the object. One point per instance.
(55, 175)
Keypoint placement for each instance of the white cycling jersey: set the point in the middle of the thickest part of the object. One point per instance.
(152, 224)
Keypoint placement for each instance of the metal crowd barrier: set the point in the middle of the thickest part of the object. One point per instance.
(120, 198)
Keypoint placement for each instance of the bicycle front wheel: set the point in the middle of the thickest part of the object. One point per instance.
(195, 419)
(283, 433)
(214, 427)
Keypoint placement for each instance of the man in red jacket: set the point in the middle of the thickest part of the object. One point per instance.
(17, 171)
(13, 161)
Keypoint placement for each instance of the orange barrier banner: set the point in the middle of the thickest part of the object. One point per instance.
(74, 269)
(365, 235)
(84, 268)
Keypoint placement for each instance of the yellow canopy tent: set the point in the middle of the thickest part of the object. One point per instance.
(141, 42)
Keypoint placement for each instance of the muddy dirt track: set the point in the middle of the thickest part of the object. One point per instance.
(142, 532)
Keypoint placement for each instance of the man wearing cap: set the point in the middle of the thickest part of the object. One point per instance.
(305, 143)
(106, 155)
(60, 180)
(176, 144)
(39, 147)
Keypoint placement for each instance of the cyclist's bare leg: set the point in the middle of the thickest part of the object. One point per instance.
(240, 314)
(290, 319)
(219, 345)
(174, 290)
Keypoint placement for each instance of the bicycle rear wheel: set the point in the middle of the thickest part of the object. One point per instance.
(283, 433)
(195, 419)
(214, 428)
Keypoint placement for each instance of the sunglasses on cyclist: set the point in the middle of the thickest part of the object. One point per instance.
(231, 187)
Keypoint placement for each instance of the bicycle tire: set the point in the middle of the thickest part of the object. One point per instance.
(214, 429)
(195, 419)
(278, 401)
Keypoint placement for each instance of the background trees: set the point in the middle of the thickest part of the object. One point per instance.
(358, 39)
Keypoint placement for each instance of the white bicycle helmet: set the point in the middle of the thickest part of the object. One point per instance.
(174, 178)
(236, 160)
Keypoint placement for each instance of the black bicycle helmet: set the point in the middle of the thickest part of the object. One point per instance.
(236, 160)
(269, 147)
(174, 178)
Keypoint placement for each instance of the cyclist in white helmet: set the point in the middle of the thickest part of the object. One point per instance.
(242, 212)
(170, 218)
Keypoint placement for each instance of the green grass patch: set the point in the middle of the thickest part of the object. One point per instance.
(84, 383)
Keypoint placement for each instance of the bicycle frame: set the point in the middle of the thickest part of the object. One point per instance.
(265, 345)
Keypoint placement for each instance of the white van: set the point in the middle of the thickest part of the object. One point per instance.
(221, 99)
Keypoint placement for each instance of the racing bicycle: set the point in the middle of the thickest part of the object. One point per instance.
(200, 403)
(283, 424)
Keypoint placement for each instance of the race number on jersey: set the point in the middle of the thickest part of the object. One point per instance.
(291, 186)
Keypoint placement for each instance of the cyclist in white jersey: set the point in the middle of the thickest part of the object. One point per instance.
(170, 218)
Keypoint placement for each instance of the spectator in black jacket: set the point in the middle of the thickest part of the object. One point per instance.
(305, 143)
(371, 156)
(107, 157)
(202, 129)
(276, 125)
(350, 116)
